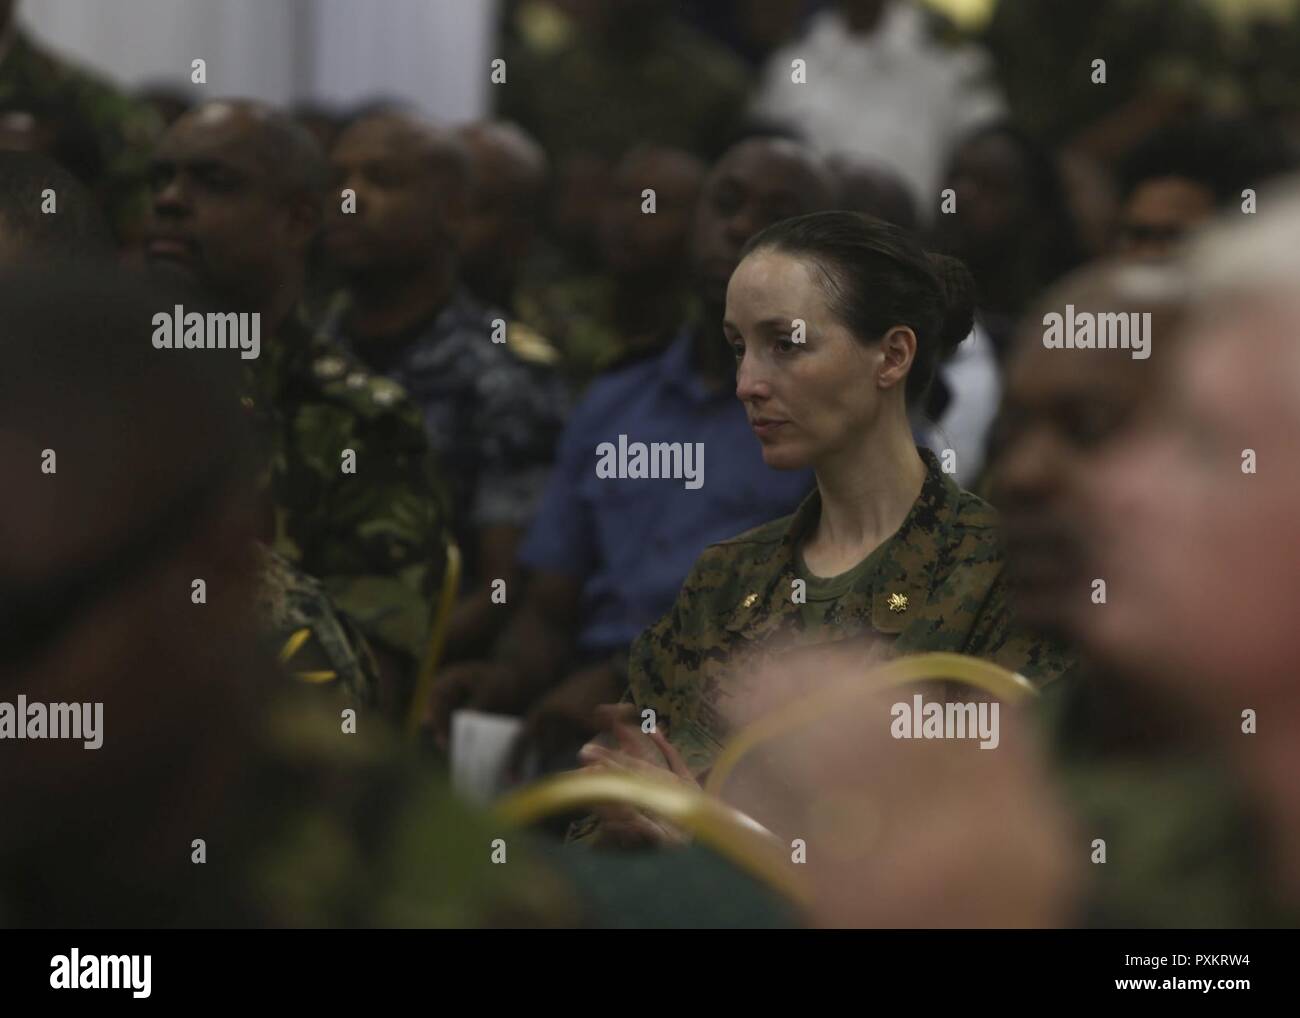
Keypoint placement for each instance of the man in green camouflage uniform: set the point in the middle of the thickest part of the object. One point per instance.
(236, 204)
(935, 585)
(97, 132)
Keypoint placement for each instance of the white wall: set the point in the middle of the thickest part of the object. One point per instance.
(433, 53)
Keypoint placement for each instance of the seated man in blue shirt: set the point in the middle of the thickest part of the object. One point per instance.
(612, 543)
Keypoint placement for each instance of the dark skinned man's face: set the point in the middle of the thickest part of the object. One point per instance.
(988, 178)
(404, 213)
(1159, 213)
(219, 211)
(1199, 553)
(754, 185)
(633, 242)
(498, 225)
(1061, 410)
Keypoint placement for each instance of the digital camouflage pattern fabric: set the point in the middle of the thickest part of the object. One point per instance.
(935, 585)
(1182, 846)
(98, 133)
(1182, 838)
(316, 642)
(492, 411)
(375, 538)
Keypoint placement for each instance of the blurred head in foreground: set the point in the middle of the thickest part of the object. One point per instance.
(1197, 519)
(128, 480)
(1063, 408)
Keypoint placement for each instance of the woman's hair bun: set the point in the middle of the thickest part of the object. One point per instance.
(958, 288)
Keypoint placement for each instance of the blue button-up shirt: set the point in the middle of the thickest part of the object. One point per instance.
(632, 541)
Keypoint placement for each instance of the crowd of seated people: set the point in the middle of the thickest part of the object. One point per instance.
(665, 410)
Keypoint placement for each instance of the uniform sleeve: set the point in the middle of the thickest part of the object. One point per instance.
(518, 417)
(376, 536)
(996, 636)
(665, 666)
(651, 674)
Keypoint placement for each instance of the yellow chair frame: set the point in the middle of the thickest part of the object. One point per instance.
(437, 640)
(733, 835)
(983, 675)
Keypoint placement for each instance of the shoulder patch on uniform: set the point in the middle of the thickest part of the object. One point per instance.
(530, 345)
(329, 367)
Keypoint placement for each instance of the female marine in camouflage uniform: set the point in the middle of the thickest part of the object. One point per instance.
(838, 322)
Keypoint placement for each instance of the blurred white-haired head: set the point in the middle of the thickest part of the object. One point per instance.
(1250, 255)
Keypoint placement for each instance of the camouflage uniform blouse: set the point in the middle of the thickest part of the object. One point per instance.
(935, 585)
(375, 538)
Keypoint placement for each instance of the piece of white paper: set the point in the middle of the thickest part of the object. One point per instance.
(480, 751)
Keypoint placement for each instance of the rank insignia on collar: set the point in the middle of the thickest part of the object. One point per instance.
(898, 602)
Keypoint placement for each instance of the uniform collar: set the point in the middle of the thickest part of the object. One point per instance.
(460, 308)
(907, 569)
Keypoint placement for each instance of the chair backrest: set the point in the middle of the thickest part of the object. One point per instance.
(437, 639)
(733, 835)
(961, 668)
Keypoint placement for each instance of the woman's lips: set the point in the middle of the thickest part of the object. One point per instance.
(763, 426)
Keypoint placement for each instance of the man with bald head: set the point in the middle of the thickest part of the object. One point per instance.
(237, 190)
(636, 302)
(508, 181)
(491, 402)
(608, 556)
(224, 174)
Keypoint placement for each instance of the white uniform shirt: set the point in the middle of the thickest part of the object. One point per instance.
(894, 97)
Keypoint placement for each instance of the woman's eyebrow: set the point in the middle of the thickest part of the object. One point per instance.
(778, 323)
